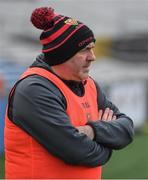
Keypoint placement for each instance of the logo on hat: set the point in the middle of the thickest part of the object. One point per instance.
(90, 39)
(71, 21)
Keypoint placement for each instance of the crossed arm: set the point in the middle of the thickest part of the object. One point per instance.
(107, 115)
(113, 132)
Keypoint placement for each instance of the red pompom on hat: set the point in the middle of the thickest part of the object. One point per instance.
(43, 18)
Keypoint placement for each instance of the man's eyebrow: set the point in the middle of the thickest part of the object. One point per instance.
(89, 47)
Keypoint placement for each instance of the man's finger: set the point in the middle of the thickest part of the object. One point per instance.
(105, 115)
(100, 114)
(110, 115)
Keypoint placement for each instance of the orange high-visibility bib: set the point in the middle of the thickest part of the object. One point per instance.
(26, 158)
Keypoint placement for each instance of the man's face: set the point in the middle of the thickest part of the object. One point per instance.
(79, 65)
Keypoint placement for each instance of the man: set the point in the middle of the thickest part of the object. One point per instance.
(59, 123)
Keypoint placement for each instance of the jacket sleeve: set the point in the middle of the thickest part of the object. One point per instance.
(115, 134)
(38, 108)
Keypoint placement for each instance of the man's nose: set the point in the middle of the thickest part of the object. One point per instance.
(91, 56)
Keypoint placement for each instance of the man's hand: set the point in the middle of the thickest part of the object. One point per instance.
(88, 130)
(107, 115)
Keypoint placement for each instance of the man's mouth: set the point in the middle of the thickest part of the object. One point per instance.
(87, 66)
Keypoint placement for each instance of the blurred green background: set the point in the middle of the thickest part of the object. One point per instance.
(129, 163)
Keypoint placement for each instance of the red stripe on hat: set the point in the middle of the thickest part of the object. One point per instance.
(55, 35)
(55, 23)
(59, 20)
(50, 49)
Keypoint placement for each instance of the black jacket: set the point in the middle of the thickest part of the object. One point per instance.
(38, 107)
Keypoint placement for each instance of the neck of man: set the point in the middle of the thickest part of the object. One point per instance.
(64, 73)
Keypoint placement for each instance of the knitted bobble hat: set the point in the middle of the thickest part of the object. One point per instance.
(62, 36)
